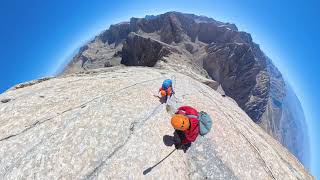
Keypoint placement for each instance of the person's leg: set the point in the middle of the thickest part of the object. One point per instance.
(176, 137)
(185, 147)
(180, 134)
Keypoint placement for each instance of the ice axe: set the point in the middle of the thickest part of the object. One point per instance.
(150, 168)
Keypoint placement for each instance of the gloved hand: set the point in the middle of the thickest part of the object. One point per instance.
(177, 145)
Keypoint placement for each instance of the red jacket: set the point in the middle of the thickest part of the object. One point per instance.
(192, 133)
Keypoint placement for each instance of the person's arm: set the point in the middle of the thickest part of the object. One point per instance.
(183, 108)
(177, 138)
(180, 138)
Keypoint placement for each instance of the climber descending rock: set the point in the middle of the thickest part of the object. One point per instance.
(188, 124)
(166, 90)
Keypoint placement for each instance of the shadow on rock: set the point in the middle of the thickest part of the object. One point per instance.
(162, 100)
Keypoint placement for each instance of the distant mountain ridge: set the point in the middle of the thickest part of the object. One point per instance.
(203, 48)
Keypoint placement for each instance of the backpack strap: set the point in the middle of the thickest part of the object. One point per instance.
(193, 116)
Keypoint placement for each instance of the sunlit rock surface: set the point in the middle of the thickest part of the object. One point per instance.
(109, 124)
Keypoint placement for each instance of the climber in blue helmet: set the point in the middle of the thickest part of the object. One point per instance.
(166, 89)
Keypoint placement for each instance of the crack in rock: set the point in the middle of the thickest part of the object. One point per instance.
(132, 129)
(38, 122)
(204, 162)
(132, 125)
(267, 169)
(97, 169)
(8, 169)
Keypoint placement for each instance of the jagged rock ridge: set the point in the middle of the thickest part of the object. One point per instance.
(202, 47)
(108, 124)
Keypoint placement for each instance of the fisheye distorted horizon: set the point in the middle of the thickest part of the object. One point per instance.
(42, 36)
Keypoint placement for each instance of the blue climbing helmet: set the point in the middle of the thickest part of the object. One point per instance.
(166, 83)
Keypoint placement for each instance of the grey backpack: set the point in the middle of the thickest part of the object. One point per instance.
(205, 122)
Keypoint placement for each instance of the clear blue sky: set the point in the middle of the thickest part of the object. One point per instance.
(37, 37)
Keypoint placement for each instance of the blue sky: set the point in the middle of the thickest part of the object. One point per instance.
(37, 37)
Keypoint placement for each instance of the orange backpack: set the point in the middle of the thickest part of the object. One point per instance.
(166, 92)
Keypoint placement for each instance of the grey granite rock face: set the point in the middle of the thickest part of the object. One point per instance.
(242, 77)
(108, 124)
(201, 47)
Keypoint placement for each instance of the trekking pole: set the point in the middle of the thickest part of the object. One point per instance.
(150, 168)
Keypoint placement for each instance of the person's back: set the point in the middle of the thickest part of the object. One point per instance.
(166, 89)
(192, 132)
(186, 124)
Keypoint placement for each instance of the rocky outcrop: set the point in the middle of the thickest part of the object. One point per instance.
(140, 51)
(109, 124)
(241, 76)
(116, 33)
(30, 83)
(202, 48)
(96, 54)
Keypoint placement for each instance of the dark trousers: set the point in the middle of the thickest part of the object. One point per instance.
(178, 136)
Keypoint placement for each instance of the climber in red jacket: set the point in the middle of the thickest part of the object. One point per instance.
(186, 125)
